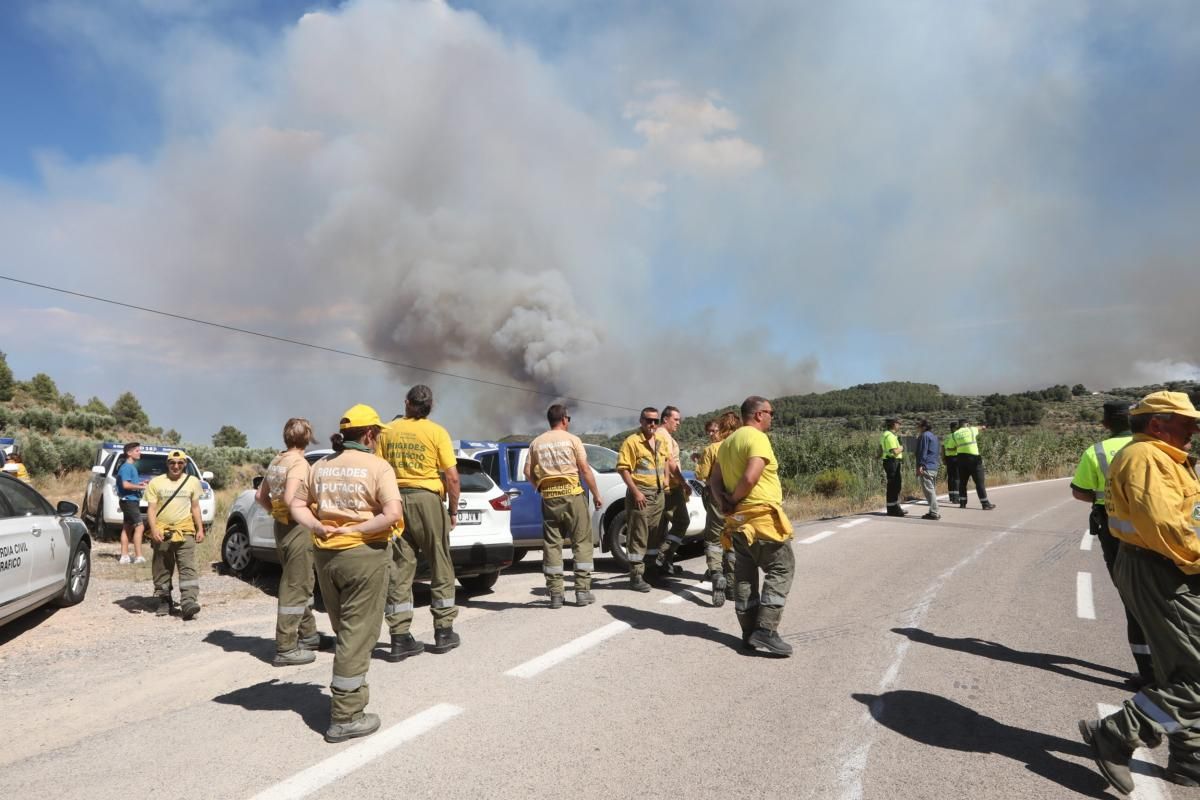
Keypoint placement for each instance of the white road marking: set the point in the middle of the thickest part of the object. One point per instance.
(856, 747)
(680, 592)
(1146, 787)
(339, 766)
(1085, 608)
(854, 522)
(818, 537)
(571, 648)
(1086, 542)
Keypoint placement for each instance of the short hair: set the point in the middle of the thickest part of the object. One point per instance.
(727, 423)
(889, 422)
(715, 422)
(556, 414)
(752, 404)
(958, 423)
(420, 399)
(647, 410)
(666, 412)
(297, 432)
(131, 446)
(924, 423)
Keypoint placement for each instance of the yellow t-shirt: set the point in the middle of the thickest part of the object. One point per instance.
(646, 463)
(347, 489)
(418, 450)
(288, 465)
(554, 459)
(707, 459)
(176, 516)
(23, 473)
(673, 454)
(735, 453)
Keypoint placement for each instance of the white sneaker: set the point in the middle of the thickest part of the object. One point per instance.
(139, 560)
(124, 560)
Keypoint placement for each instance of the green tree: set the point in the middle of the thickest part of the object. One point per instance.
(1079, 389)
(96, 406)
(6, 379)
(43, 388)
(67, 402)
(229, 436)
(129, 413)
(172, 436)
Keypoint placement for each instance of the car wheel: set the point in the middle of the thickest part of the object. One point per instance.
(617, 541)
(477, 584)
(79, 574)
(235, 551)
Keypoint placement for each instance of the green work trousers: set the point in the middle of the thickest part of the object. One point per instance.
(668, 536)
(426, 534)
(352, 585)
(566, 518)
(294, 618)
(637, 529)
(716, 557)
(1166, 602)
(755, 608)
(168, 556)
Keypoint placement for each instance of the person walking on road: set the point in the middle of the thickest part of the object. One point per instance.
(892, 453)
(950, 459)
(129, 495)
(668, 536)
(719, 559)
(745, 481)
(420, 453)
(296, 634)
(1153, 502)
(928, 450)
(173, 512)
(642, 465)
(350, 503)
(970, 465)
(1088, 485)
(556, 464)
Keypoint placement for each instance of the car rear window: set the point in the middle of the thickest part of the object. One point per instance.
(472, 477)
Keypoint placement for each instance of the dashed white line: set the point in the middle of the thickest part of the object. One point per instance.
(680, 592)
(854, 522)
(335, 767)
(1146, 787)
(1086, 542)
(571, 648)
(1085, 608)
(818, 537)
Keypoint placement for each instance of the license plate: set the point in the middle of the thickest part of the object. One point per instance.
(470, 517)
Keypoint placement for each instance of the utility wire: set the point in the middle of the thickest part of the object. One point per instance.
(300, 343)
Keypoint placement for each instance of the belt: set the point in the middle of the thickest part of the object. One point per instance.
(1145, 552)
(416, 489)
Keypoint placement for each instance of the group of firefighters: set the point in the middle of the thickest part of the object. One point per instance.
(369, 511)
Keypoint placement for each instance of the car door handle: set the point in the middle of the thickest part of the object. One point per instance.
(36, 530)
(513, 493)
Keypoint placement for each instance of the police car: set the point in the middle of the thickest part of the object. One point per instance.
(480, 545)
(45, 552)
(102, 509)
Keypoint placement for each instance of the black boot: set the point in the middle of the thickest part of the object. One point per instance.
(403, 646)
(444, 640)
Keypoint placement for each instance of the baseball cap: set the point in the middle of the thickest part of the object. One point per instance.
(176, 455)
(359, 416)
(1166, 403)
(1115, 407)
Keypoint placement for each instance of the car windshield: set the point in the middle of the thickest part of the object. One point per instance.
(151, 465)
(601, 459)
(472, 477)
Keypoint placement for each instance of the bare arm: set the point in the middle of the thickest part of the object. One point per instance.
(152, 522)
(263, 495)
(746, 484)
(197, 519)
(453, 489)
(589, 479)
(716, 487)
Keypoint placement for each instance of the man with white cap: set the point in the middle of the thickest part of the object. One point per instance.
(1153, 502)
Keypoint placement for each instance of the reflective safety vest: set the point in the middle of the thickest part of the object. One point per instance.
(966, 441)
(889, 442)
(949, 448)
(1092, 473)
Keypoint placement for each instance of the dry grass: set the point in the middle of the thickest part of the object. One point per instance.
(69, 487)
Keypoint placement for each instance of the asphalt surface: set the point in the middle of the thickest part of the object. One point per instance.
(942, 659)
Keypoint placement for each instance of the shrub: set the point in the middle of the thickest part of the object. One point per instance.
(74, 453)
(88, 422)
(833, 482)
(41, 419)
(40, 455)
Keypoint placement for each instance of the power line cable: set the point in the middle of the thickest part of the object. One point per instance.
(299, 343)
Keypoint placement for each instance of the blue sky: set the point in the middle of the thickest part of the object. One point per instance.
(627, 202)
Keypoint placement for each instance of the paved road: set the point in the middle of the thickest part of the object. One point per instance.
(933, 660)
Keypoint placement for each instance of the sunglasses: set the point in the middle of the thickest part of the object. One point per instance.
(567, 417)
(648, 421)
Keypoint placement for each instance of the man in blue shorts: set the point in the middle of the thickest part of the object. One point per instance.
(129, 492)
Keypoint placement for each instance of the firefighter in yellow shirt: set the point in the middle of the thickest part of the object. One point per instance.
(668, 536)
(420, 453)
(296, 634)
(642, 465)
(720, 560)
(173, 516)
(745, 482)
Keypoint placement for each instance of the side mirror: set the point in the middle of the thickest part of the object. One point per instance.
(98, 470)
(258, 479)
(206, 476)
(66, 508)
